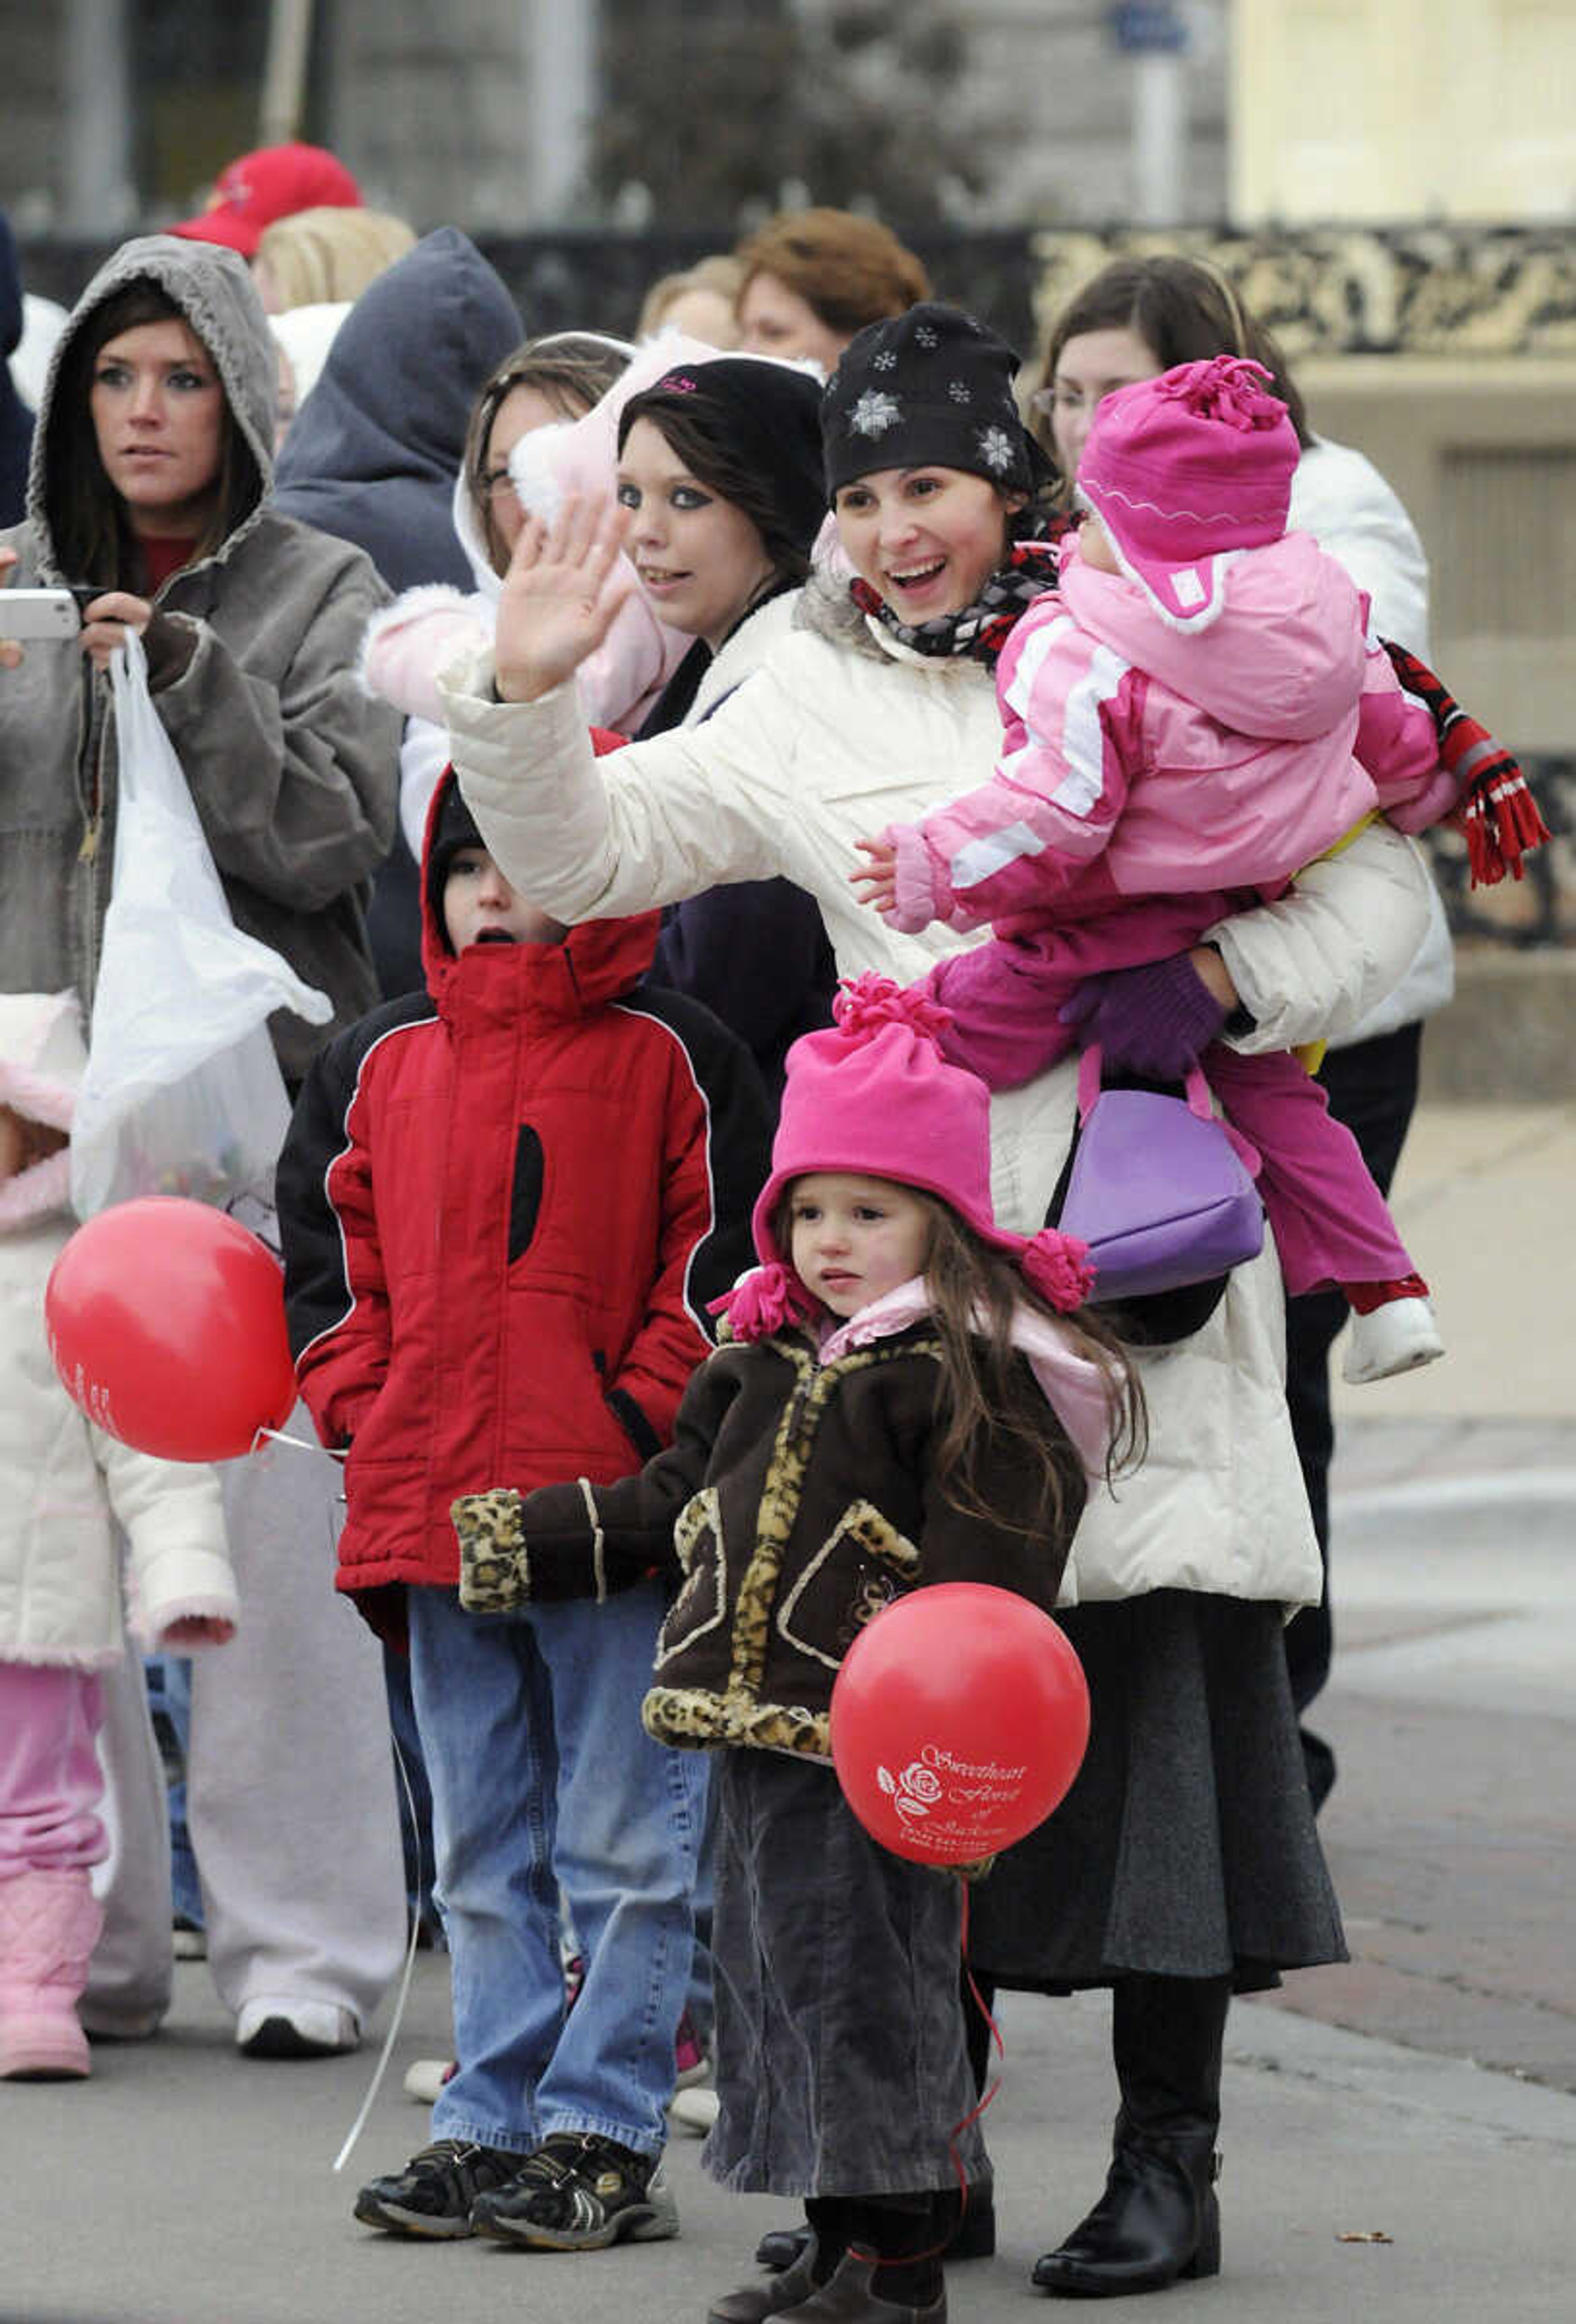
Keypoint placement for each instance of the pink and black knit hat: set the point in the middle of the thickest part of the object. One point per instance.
(1185, 472)
(874, 1096)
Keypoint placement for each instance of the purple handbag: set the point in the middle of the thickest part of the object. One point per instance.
(1156, 1189)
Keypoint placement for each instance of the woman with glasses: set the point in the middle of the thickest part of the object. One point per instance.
(718, 462)
(543, 387)
(1135, 318)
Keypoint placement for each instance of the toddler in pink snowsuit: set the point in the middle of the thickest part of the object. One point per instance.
(1193, 716)
(66, 1487)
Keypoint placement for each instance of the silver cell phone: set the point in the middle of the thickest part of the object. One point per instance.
(39, 613)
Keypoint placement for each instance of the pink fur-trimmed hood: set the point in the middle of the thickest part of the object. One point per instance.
(581, 455)
(42, 1058)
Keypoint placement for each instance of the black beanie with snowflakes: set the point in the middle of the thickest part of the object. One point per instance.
(930, 388)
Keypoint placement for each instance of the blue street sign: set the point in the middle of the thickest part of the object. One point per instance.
(1149, 28)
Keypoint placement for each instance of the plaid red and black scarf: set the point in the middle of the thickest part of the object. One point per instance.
(1495, 811)
(982, 629)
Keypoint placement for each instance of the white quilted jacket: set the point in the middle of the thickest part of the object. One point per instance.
(840, 732)
(61, 1480)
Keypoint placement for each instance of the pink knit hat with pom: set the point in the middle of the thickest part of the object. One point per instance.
(1184, 472)
(874, 1096)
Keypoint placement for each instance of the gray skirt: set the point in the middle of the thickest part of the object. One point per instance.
(841, 2061)
(1187, 1845)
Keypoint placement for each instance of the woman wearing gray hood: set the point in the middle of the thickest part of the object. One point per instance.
(150, 480)
(149, 491)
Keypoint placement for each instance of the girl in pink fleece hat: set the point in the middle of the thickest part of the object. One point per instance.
(1194, 714)
(908, 1394)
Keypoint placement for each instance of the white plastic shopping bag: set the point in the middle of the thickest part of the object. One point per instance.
(182, 1095)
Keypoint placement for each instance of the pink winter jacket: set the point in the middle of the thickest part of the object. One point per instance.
(1142, 761)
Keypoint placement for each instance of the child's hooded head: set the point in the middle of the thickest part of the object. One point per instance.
(1185, 472)
(471, 901)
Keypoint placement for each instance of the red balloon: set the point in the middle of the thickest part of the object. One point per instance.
(166, 1322)
(959, 1718)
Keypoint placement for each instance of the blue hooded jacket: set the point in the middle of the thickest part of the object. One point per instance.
(372, 457)
(375, 448)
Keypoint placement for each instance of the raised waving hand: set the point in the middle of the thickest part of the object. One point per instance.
(557, 606)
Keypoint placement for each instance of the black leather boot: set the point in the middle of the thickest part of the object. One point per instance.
(1159, 2218)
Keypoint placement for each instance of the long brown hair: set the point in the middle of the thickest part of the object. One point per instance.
(1183, 312)
(91, 537)
(994, 1407)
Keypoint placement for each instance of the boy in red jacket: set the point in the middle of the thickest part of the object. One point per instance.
(505, 1202)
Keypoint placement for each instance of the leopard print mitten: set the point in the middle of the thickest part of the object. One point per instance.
(494, 1563)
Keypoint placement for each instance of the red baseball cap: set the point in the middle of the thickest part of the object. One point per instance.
(274, 182)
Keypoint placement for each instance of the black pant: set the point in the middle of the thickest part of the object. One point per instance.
(1372, 1087)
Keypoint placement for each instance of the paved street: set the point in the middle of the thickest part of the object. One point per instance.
(1399, 2134)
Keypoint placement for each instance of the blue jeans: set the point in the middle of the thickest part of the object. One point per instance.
(544, 1780)
(169, 1684)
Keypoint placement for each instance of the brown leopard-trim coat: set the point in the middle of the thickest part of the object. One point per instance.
(797, 1500)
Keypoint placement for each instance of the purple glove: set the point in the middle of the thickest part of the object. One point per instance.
(1152, 1020)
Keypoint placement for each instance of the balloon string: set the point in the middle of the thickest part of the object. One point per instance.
(381, 2068)
(301, 1443)
(939, 2251)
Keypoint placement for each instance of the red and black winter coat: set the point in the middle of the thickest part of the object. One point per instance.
(505, 1204)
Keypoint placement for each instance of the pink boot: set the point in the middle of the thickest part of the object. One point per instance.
(48, 1925)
